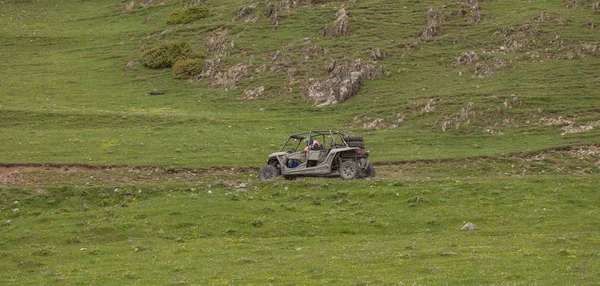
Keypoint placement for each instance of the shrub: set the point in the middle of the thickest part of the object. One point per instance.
(165, 54)
(188, 14)
(187, 67)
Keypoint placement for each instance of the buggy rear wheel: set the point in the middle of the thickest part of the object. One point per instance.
(348, 170)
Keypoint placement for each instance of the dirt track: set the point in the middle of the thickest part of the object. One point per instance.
(581, 157)
(48, 174)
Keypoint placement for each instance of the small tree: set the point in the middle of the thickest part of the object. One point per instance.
(187, 68)
(187, 14)
(165, 54)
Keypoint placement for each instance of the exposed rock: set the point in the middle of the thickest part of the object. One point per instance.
(245, 11)
(229, 78)
(466, 113)
(157, 92)
(216, 45)
(277, 61)
(286, 90)
(585, 152)
(400, 118)
(555, 121)
(285, 5)
(129, 6)
(524, 35)
(260, 69)
(590, 47)
(570, 129)
(242, 187)
(471, 8)
(488, 69)
(210, 69)
(339, 27)
(146, 3)
(291, 72)
(374, 124)
(434, 21)
(377, 54)
(312, 50)
(274, 20)
(271, 12)
(546, 18)
(274, 56)
(254, 93)
(469, 226)
(572, 3)
(189, 3)
(131, 65)
(591, 24)
(476, 14)
(330, 66)
(465, 116)
(429, 107)
(462, 8)
(466, 59)
(344, 81)
(269, 9)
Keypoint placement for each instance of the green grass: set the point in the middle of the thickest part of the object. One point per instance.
(317, 231)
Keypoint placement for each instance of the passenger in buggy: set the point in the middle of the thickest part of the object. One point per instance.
(312, 144)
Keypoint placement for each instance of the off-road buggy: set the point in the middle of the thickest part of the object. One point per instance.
(336, 155)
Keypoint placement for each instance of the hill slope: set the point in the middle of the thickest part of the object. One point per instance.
(454, 81)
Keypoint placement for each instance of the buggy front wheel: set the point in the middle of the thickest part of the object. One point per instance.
(268, 172)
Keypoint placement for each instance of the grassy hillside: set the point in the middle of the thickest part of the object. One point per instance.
(66, 97)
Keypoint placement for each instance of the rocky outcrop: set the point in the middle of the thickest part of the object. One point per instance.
(245, 11)
(254, 93)
(339, 27)
(228, 79)
(434, 21)
(345, 80)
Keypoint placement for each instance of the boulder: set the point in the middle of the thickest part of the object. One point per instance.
(469, 226)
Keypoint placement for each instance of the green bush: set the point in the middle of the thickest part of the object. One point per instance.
(187, 67)
(165, 54)
(188, 14)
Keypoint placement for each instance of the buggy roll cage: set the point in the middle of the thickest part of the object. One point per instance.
(321, 134)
